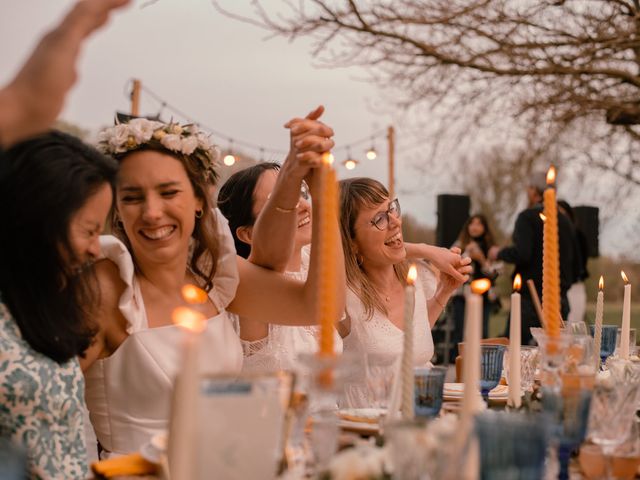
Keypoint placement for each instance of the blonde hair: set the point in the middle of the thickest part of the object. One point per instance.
(356, 193)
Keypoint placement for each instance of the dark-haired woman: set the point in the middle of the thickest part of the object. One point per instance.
(475, 240)
(269, 347)
(55, 194)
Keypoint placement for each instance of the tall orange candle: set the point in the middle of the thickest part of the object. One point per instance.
(551, 260)
(327, 310)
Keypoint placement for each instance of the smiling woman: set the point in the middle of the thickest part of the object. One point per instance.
(168, 236)
(55, 194)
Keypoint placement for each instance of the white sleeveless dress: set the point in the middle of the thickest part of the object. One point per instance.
(280, 349)
(128, 394)
(376, 343)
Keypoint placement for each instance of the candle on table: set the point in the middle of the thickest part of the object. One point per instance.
(471, 359)
(183, 420)
(626, 319)
(551, 259)
(327, 245)
(407, 351)
(515, 328)
(597, 329)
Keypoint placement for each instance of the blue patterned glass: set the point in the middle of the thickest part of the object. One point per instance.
(512, 445)
(608, 342)
(429, 384)
(491, 364)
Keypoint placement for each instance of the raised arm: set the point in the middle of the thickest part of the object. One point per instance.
(34, 98)
(446, 260)
(447, 285)
(270, 297)
(275, 227)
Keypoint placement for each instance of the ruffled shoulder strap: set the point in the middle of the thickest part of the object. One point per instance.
(227, 278)
(131, 304)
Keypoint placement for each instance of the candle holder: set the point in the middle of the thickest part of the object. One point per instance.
(491, 364)
(325, 376)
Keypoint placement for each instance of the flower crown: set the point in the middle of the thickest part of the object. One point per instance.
(187, 140)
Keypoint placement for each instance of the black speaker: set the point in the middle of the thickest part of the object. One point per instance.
(453, 211)
(587, 221)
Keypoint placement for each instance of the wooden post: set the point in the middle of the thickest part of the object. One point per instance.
(391, 142)
(135, 98)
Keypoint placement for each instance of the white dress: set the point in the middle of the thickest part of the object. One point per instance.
(280, 349)
(376, 344)
(129, 393)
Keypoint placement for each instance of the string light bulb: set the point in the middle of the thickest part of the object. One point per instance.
(371, 153)
(350, 163)
(229, 159)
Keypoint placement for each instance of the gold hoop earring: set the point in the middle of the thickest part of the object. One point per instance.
(199, 213)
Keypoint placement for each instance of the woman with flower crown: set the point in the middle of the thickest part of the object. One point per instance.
(167, 238)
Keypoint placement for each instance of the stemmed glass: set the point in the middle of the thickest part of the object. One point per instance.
(613, 408)
(492, 357)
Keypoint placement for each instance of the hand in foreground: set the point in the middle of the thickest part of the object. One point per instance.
(452, 280)
(449, 262)
(34, 98)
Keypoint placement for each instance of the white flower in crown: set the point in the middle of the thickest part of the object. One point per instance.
(142, 129)
(118, 137)
(189, 144)
(172, 141)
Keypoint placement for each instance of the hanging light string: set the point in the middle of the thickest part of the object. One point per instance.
(262, 150)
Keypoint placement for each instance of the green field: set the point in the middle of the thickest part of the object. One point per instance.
(612, 316)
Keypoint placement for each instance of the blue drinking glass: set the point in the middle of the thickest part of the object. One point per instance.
(608, 342)
(568, 413)
(491, 363)
(513, 445)
(429, 385)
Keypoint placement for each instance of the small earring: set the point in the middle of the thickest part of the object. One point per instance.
(199, 213)
(359, 260)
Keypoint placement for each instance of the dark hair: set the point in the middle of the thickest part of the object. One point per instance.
(356, 193)
(236, 198)
(204, 254)
(44, 181)
(464, 238)
(568, 210)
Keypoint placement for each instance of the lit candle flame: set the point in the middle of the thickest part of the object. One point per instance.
(412, 275)
(188, 319)
(193, 295)
(517, 283)
(543, 217)
(624, 277)
(601, 283)
(480, 286)
(327, 157)
(551, 175)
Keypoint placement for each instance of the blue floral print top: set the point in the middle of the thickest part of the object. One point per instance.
(41, 406)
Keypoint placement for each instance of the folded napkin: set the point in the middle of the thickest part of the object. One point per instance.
(132, 464)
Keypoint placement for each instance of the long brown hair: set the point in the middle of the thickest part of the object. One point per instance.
(356, 193)
(205, 247)
(464, 238)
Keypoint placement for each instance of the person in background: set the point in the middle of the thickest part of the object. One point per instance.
(577, 294)
(33, 99)
(55, 193)
(474, 241)
(526, 254)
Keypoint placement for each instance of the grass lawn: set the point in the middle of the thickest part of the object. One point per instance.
(612, 316)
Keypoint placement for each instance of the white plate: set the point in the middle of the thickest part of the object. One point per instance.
(365, 415)
(455, 391)
(359, 427)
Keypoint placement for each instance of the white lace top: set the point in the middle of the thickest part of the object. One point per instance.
(377, 344)
(279, 350)
(128, 393)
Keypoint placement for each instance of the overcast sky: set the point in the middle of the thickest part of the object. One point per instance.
(226, 75)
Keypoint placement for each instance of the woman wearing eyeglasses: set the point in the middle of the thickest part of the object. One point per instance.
(376, 269)
(241, 200)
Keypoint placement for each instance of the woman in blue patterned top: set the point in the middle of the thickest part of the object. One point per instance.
(55, 194)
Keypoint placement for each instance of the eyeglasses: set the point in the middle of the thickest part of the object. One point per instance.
(381, 220)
